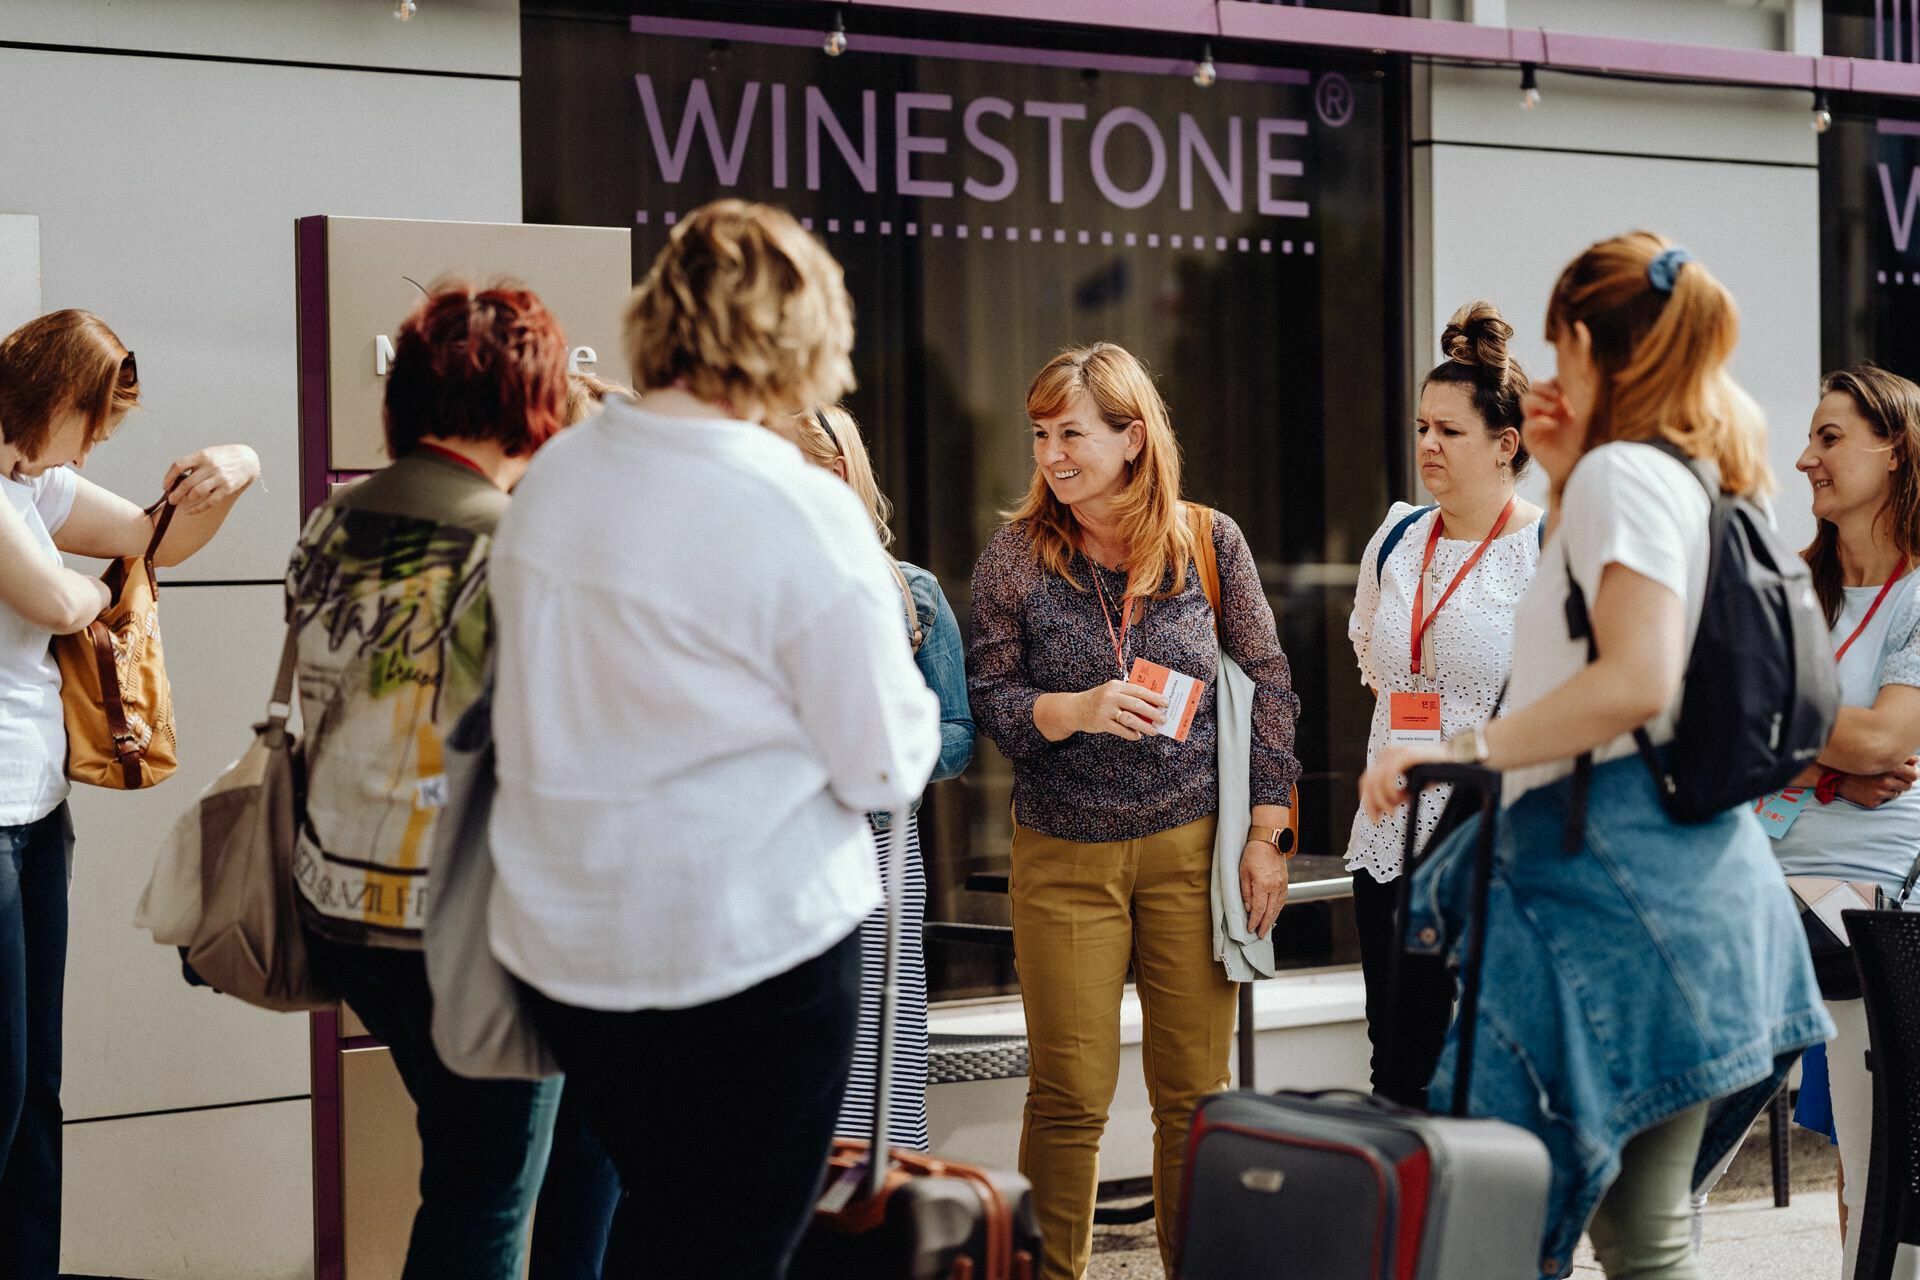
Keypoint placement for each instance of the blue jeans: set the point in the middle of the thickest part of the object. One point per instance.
(483, 1143)
(575, 1215)
(35, 859)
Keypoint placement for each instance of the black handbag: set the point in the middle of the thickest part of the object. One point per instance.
(1833, 966)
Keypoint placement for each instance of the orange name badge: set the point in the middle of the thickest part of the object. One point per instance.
(1413, 718)
(1182, 690)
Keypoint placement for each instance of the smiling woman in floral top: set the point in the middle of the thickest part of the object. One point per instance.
(1114, 821)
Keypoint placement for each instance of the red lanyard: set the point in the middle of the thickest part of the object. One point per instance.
(1126, 620)
(1420, 592)
(1899, 571)
(451, 456)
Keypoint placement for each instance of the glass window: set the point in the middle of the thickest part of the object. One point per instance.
(994, 203)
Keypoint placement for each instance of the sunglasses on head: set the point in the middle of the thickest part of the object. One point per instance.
(820, 417)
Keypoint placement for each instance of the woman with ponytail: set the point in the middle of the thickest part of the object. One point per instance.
(1646, 993)
(1857, 818)
(1114, 809)
(1461, 565)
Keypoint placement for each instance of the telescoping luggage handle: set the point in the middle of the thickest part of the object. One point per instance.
(1486, 783)
(893, 885)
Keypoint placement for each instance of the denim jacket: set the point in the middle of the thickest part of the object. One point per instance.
(942, 660)
(1660, 967)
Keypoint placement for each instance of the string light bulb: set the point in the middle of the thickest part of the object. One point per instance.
(836, 42)
(1822, 113)
(403, 10)
(1529, 87)
(1204, 72)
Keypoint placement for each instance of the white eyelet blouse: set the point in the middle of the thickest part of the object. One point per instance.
(1469, 649)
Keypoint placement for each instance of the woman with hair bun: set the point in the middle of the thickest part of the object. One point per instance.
(1449, 574)
(1647, 992)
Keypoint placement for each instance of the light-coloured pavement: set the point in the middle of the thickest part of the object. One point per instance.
(1746, 1237)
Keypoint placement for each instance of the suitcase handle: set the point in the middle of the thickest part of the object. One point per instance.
(1486, 782)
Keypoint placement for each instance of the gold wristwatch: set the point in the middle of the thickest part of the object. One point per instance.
(1469, 746)
(1280, 838)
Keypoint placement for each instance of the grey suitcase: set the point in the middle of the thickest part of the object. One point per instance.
(1344, 1186)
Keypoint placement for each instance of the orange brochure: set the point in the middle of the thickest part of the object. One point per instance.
(1183, 695)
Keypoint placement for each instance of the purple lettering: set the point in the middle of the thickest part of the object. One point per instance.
(699, 113)
(1194, 143)
(860, 162)
(906, 145)
(1156, 171)
(1268, 166)
(1055, 113)
(992, 148)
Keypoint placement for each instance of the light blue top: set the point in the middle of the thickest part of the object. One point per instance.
(943, 661)
(1842, 840)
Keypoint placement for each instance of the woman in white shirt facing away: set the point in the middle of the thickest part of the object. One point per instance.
(66, 385)
(1855, 816)
(703, 686)
(1461, 566)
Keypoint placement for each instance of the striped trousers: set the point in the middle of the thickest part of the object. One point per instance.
(907, 1098)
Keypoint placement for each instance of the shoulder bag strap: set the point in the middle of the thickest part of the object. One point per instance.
(1394, 535)
(280, 704)
(1206, 561)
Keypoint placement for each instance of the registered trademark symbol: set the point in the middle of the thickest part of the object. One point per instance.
(1333, 100)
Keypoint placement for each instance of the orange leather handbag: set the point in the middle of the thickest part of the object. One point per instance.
(113, 681)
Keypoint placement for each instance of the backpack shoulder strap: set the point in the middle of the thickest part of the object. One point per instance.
(1206, 561)
(1392, 540)
(915, 632)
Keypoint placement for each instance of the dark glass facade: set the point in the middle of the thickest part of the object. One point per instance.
(997, 193)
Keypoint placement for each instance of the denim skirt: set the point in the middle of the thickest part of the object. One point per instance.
(1659, 967)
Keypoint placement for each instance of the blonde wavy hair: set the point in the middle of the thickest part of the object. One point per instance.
(586, 392)
(1148, 508)
(827, 432)
(1663, 357)
(744, 307)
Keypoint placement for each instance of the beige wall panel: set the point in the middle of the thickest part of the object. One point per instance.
(480, 37)
(582, 274)
(380, 1152)
(1482, 105)
(19, 270)
(167, 191)
(138, 1038)
(1504, 222)
(200, 1195)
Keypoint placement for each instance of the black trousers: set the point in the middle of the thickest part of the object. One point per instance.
(718, 1117)
(1407, 1027)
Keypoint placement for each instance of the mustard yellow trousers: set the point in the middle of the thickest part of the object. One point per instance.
(1081, 913)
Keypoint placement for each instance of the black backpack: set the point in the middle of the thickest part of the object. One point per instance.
(1761, 691)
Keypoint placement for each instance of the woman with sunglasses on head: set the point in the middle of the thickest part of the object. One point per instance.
(1647, 992)
(66, 384)
(1452, 576)
(1856, 814)
(829, 437)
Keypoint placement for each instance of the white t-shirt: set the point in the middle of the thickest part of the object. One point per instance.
(1841, 839)
(703, 686)
(33, 733)
(1628, 504)
(1469, 643)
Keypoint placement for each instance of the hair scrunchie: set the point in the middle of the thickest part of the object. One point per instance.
(1665, 268)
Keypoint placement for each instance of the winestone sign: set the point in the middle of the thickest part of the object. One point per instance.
(947, 148)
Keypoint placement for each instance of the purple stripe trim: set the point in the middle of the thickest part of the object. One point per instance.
(1194, 17)
(329, 1213)
(899, 45)
(310, 327)
(1910, 128)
